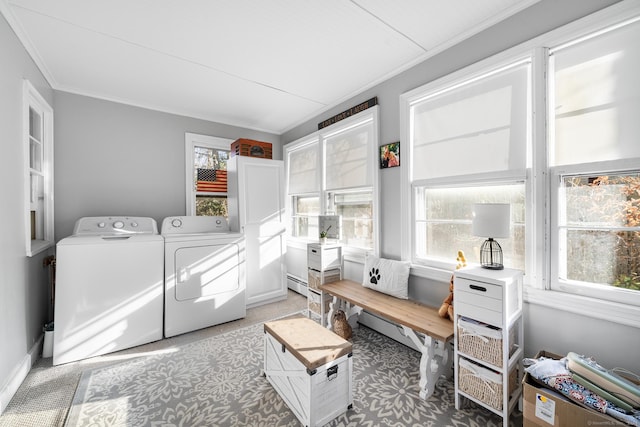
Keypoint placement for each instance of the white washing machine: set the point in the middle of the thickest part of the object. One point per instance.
(204, 273)
(109, 287)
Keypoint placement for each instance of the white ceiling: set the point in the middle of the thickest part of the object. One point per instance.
(262, 64)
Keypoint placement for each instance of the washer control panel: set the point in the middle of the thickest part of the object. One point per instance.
(114, 225)
(194, 225)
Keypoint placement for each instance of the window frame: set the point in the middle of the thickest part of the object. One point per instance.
(588, 289)
(33, 100)
(319, 137)
(437, 269)
(193, 140)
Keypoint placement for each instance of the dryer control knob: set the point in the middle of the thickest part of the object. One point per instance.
(101, 225)
(176, 223)
(118, 224)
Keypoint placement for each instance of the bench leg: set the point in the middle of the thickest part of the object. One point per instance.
(349, 309)
(433, 363)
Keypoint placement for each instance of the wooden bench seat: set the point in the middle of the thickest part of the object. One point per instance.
(413, 317)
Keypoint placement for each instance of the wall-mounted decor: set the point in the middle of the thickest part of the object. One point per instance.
(390, 155)
(348, 113)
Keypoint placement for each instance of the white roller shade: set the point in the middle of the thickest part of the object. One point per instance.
(478, 126)
(349, 157)
(597, 98)
(304, 169)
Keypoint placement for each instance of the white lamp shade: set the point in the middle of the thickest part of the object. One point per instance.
(491, 220)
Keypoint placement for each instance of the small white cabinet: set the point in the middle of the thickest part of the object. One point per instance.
(488, 338)
(324, 263)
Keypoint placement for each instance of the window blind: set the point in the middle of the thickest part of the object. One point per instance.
(349, 157)
(597, 98)
(304, 169)
(477, 126)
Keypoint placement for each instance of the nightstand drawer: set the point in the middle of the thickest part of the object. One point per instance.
(323, 258)
(479, 288)
(483, 314)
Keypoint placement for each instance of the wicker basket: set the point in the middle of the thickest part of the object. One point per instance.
(480, 341)
(315, 278)
(484, 384)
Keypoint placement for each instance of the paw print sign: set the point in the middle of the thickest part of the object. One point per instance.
(374, 276)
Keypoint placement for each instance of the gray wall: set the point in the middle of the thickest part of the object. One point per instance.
(546, 328)
(115, 159)
(23, 281)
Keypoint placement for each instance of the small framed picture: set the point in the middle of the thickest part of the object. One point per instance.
(390, 155)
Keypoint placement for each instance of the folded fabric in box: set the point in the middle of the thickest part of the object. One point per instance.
(386, 276)
(555, 375)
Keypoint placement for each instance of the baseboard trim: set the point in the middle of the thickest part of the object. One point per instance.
(19, 374)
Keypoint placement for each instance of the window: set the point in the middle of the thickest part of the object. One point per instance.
(334, 172)
(38, 143)
(303, 183)
(468, 142)
(595, 164)
(443, 222)
(206, 166)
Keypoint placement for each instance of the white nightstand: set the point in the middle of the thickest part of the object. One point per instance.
(488, 338)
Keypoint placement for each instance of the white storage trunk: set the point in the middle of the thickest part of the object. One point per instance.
(310, 367)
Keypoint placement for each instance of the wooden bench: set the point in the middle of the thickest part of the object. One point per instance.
(413, 317)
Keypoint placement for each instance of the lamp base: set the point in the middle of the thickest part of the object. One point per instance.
(491, 255)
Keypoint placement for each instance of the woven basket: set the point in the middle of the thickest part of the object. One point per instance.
(315, 278)
(484, 384)
(481, 342)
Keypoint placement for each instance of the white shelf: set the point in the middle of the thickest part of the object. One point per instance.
(322, 262)
(493, 298)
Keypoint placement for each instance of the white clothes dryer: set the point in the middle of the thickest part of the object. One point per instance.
(109, 287)
(204, 273)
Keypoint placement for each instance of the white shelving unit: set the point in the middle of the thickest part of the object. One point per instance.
(488, 338)
(324, 263)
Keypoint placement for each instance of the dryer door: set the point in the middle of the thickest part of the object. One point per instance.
(203, 272)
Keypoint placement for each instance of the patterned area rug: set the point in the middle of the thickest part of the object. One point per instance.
(218, 382)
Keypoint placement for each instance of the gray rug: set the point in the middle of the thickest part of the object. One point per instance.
(218, 381)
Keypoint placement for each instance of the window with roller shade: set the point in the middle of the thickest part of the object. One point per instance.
(469, 140)
(595, 164)
(303, 176)
(334, 172)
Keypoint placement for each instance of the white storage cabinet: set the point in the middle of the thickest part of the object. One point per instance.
(488, 338)
(324, 263)
(310, 367)
(256, 208)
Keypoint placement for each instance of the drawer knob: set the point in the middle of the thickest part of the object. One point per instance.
(478, 288)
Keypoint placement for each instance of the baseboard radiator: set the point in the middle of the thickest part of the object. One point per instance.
(297, 284)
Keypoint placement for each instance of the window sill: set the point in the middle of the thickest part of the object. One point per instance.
(589, 307)
(37, 246)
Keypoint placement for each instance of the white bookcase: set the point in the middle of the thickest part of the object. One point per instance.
(324, 263)
(488, 338)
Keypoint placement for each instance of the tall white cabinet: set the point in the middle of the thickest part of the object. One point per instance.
(488, 338)
(256, 208)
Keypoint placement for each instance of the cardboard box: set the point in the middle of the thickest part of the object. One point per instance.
(543, 407)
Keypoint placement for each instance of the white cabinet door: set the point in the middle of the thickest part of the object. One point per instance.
(256, 208)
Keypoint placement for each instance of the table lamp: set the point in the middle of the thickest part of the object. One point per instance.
(491, 220)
